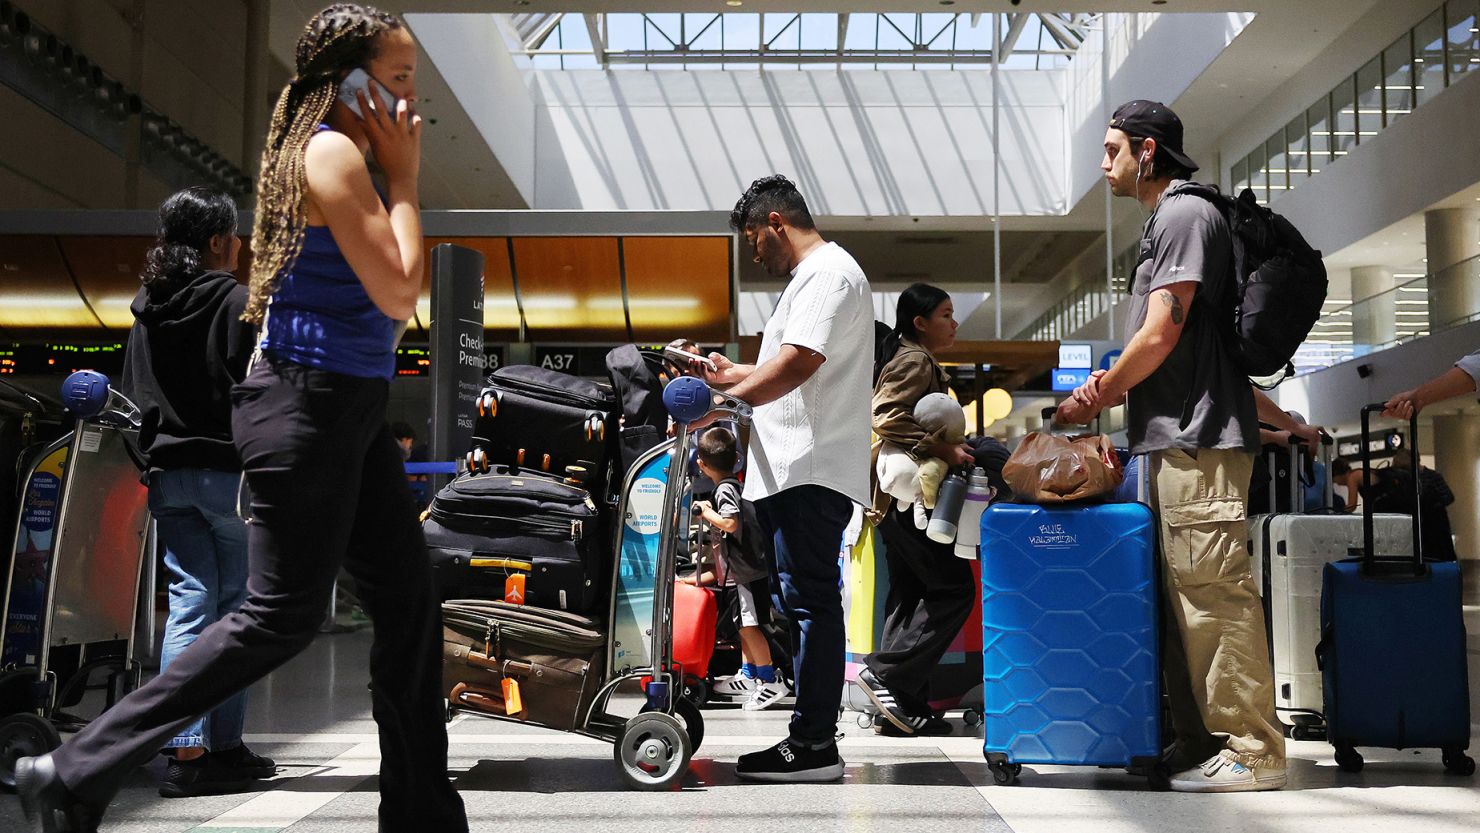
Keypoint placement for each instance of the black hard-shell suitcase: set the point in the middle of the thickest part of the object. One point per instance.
(484, 528)
(548, 421)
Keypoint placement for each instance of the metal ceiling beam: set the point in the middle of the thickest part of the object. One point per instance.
(1060, 31)
(1015, 24)
(595, 27)
(842, 32)
(792, 56)
(535, 29)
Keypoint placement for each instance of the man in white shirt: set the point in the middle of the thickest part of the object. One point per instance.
(808, 459)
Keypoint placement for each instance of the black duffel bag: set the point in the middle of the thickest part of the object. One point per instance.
(548, 421)
(485, 528)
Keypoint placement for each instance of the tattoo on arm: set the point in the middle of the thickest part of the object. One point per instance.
(1175, 305)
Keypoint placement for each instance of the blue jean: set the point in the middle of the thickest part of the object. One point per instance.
(806, 526)
(205, 551)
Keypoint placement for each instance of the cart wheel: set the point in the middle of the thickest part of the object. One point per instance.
(1005, 775)
(652, 752)
(23, 736)
(1456, 762)
(1348, 758)
(1299, 732)
(865, 720)
(971, 717)
(688, 714)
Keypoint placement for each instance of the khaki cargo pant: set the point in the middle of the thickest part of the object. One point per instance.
(1220, 683)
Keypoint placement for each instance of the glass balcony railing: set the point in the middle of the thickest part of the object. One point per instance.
(1440, 50)
(1409, 311)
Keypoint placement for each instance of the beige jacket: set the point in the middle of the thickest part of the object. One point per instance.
(905, 380)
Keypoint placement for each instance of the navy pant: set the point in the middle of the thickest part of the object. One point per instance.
(806, 524)
(328, 488)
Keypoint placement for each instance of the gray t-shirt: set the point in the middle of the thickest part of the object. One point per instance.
(1197, 398)
(743, 561)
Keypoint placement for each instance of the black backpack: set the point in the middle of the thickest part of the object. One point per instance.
(1279, 286)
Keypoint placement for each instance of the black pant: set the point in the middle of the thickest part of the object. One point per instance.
(806, 526)
(931, 593)
(328, 488)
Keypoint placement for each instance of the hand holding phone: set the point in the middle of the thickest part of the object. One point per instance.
(360, 81)
(684, 358)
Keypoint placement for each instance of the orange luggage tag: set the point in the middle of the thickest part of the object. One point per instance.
(512, 703)
(514, 589)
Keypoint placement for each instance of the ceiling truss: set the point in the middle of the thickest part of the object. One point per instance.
(898, 38)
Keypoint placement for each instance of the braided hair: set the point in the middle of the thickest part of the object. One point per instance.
(338, 38)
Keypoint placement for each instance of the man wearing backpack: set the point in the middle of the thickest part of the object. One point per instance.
(1190, 408)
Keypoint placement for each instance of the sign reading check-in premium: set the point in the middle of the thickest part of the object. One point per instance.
(458, 361)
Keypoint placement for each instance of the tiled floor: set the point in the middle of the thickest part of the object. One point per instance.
(313, 717)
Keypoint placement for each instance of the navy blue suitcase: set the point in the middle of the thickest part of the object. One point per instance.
(1070, 652)
(1392, 650)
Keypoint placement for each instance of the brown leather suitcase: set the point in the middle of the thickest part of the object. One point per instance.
(545, 665)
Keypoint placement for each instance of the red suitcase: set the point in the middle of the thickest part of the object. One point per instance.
(695, 614)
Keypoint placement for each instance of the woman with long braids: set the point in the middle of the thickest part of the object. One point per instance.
(931, 591)
(336, 267)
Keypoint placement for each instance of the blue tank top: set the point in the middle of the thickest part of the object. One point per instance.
(322, 317)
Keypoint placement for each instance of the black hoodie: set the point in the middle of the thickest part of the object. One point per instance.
(188, 346)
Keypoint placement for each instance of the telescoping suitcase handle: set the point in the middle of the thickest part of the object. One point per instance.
(1297, 472)
(1369, 547)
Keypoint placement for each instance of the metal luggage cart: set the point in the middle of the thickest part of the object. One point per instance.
(651, 749)
(71, 593)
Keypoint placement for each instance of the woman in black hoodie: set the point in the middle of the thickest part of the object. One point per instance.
(188, 346)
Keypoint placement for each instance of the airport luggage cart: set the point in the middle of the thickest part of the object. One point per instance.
(651, 749)
(72, 588)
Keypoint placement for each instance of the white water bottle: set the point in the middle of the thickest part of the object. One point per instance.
(969, 528)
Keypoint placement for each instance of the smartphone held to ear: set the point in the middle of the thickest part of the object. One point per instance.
(360, 81)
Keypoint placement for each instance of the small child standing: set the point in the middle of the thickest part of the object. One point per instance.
(743, 562)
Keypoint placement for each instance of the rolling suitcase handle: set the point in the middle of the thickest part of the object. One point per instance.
(1369, 548)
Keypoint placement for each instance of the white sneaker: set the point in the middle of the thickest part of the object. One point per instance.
(1223, 774)
(738, 687)
(765, 696)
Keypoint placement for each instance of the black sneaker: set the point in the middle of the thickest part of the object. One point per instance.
(888, 707)
(930, 727)
(47, 803)
(245, 762)
(201, 776)
(791, 762)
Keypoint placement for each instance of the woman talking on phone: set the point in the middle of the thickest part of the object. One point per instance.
(336, 267)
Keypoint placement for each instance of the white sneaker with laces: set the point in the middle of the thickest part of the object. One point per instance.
(737, 687)
(765, 696)
(1223, 774)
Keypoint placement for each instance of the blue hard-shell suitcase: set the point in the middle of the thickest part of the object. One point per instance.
(1392, 649)
(1069, 621)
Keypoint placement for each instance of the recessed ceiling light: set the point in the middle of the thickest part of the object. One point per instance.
(733, 3)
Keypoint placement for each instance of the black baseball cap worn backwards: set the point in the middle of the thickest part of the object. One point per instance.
(1153, 120)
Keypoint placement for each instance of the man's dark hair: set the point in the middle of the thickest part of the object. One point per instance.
(1163, 166)
(771, 193)
(717, 449)
(1340, 467)
(402, 431)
